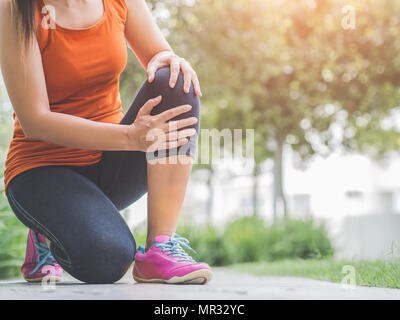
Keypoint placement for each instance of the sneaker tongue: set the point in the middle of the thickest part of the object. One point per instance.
(160, 239)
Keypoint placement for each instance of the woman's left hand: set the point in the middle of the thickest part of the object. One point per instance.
(176, 64)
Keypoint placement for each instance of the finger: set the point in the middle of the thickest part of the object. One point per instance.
(178, 135)
(179, 124)
(187, 81)
(149, 105)
(187, 75)
(196, 85)
(175, 68)
(151, 71)
(172, 113)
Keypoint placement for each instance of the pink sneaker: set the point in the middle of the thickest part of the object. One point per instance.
(167, 262)
(39, 261)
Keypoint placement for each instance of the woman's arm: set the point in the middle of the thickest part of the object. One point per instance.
(142, 33)
(151, 48)
(26, 87)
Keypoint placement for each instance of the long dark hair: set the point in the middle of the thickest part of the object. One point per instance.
(23, 13)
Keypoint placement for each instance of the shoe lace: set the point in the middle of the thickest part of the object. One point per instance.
(174, 247)
(44, 256)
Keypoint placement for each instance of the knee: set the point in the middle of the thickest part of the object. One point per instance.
(162, 80)
(173, 97)
(107, 265)
(111, 270)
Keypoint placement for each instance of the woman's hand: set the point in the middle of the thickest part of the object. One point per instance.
(176, 64)
(150, 133)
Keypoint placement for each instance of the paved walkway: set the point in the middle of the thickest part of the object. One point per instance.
(226, 284)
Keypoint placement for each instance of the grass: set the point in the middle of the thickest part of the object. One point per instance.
(368, 273)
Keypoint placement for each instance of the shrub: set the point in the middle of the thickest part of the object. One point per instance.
(208, 243)
(296, 239)
(244, 239)
(12, 241)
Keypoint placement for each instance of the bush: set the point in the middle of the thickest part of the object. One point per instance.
(12, 241)
(244, 240)
(248, 239)
(296, 239)
(209, 244)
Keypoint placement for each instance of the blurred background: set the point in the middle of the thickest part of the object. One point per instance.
(319, 82)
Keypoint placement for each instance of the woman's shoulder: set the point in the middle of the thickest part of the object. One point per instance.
(120, 7)
(5, 4)
(7, 21)
(5, 8)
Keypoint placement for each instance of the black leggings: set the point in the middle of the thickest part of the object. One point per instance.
(77, 208)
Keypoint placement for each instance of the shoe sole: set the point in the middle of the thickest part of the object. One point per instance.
(48, 278)
(196, 277)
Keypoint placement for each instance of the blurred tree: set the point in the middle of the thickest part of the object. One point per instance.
(296, 75)
(291, 71)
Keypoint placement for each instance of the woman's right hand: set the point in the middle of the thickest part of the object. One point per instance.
(149, 133)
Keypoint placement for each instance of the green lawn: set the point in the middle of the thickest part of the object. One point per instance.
(375, 274)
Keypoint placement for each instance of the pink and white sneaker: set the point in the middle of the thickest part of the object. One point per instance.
(39, 262)
(167, 262)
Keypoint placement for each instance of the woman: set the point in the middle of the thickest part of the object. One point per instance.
(75, 159)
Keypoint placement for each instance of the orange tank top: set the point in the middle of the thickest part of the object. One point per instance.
(82, 69)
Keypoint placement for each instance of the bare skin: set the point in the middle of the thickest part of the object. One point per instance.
(167, 186)
(166, 182)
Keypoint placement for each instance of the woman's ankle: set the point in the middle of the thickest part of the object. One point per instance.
(151, 237)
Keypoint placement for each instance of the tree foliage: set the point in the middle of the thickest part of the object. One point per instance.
(292, 71)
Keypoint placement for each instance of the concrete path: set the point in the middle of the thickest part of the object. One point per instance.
(226, 285)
